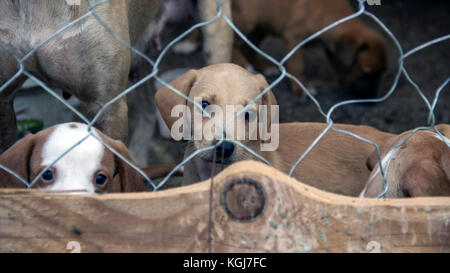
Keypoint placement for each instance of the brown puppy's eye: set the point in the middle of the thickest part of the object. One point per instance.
(204, 104)
(101, 180)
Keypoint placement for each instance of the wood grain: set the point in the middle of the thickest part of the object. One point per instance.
(295, 218)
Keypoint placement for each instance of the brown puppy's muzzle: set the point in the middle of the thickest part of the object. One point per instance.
(223, 151)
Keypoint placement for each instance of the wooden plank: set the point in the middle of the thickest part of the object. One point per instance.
(255, 208)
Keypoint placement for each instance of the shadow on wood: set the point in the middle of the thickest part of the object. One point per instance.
(255, 208)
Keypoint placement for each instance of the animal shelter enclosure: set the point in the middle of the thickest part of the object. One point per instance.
(250, 206)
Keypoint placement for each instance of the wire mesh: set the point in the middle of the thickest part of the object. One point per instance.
(279, 64)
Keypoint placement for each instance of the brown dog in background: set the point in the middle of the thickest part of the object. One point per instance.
(420, 167)
(357, 53)
(337, 164)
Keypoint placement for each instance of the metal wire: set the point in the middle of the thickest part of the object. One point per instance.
(279, 64)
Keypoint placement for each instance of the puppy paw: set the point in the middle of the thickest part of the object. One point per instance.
(185, 47)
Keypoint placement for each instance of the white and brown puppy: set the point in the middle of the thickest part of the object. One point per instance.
(419, 167)
(90, 167)
(357, 52)
(84, 60)
(337, 164)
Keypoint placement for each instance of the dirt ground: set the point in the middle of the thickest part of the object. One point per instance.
(413, 23)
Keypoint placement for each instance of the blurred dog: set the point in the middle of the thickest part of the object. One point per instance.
(336, 164)
(420, 167)
(90, 167)
(172, 16)
(357, 52)
(178, 15)
(84, 60)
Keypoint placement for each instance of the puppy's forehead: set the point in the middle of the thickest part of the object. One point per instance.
(64, 136)
(419, 137)
(226, 84)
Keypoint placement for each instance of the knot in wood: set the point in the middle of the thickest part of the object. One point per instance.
(243, 199)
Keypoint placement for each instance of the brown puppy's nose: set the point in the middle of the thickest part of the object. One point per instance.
(227, 148)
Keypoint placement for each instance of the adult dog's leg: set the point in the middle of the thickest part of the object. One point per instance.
(218, 36)
(105, 84)
(8, 125)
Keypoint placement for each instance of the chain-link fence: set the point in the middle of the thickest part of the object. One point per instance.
(362, 11)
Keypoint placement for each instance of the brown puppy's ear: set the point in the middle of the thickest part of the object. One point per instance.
(166, 99)
(344, 50)
(268, 99)
(17, 159)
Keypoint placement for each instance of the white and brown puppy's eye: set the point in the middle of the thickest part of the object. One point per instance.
(100, 180)
(48, 176)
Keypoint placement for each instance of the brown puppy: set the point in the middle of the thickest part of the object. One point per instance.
(420, 167)
(357, 53)
(90, 167)
(84, 60)
(337, 164)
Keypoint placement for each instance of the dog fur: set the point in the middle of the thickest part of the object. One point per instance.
(85, 60)
(357, 53)
(177, 15)
(337, 164)
(420, 167)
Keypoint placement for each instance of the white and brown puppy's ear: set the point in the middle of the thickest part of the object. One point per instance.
(17, 159)
(130, 179)
(166, 99)
(126, 179)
